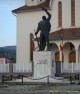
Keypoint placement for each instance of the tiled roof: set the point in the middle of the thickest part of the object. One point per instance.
(68, 33)
(2, 56)
(32, 8)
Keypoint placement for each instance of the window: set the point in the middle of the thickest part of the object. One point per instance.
(59, 14)
(72, 12)
(72, 57)
(32, 47)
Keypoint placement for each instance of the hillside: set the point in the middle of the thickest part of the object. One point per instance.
(8, 50)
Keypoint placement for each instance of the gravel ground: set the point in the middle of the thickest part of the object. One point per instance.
(39, 89)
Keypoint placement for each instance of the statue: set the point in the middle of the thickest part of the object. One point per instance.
(44, 26)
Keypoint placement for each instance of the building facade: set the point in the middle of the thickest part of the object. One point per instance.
(65, 20)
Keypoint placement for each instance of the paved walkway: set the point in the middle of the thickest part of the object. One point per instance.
(39, 89)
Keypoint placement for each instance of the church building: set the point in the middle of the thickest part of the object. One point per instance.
(65, 23)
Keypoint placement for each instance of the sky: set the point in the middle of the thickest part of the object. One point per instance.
(8, 21)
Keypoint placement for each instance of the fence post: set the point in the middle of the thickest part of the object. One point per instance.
(78, 76)
(72, 67)
(70, 79)
(22, 78)
(19, 76)
(48, 79)
(11, 77)
(2, 78)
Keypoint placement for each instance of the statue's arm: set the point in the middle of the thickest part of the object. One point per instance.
(49, 15)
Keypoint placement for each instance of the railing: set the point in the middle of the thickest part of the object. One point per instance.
(4, 68)
(22, 68)
(74, 78)
(71, 67)
(22, 79)
(27, 67)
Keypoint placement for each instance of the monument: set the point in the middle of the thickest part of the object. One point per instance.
(44, 60)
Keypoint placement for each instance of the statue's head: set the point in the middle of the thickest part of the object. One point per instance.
(44, 17)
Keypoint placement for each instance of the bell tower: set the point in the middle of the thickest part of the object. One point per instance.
(33, 2)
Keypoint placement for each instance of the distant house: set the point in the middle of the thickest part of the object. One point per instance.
(65, 21)
(4, 59)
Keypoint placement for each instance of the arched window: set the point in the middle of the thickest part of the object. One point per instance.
(72, 12)
(32, 47)
(59, 14)
(72, 57)
(57, 56)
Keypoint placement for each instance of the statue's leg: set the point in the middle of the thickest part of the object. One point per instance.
(47, 40)
(41, 42)
(44, 43)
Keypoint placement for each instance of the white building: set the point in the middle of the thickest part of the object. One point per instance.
(65, 20)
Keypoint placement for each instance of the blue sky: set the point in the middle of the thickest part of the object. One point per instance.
(8, 21)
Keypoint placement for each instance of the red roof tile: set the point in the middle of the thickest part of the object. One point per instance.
(32, 8)
(69, 33)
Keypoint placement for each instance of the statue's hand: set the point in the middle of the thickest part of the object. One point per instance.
(44, 9)
(35, 33)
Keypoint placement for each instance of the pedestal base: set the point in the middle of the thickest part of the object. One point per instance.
(43, 63)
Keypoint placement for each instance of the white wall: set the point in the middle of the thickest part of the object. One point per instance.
(66, 14)
(77, 13)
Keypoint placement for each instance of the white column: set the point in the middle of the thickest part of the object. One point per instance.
(77, 59)
(61, 60)
(72, 67)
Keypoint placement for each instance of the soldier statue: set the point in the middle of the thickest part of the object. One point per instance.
(44, 26)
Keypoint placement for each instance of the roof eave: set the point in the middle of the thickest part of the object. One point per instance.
(26, 8)
(31, 10)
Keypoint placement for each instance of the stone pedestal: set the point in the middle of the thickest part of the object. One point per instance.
(43, 63)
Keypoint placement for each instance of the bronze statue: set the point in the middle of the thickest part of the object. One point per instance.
(44, 26)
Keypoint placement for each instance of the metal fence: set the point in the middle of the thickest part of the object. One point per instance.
(71, 67)
(17, 68)
(24, 67)
(27, 67)
(4, 68)
(22, 78)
